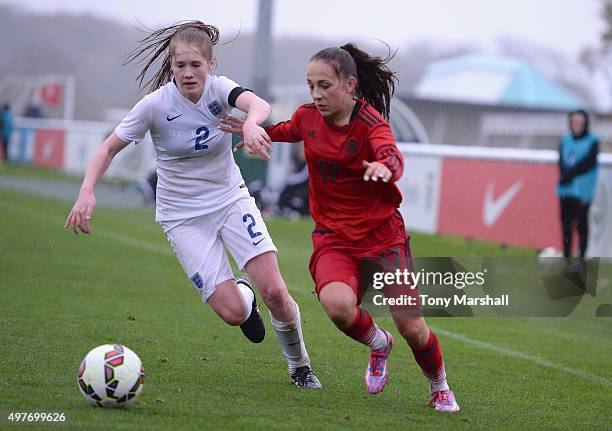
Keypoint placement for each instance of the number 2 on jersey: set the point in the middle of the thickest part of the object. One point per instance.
(201, 135)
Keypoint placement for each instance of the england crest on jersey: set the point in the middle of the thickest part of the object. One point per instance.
(214, 108)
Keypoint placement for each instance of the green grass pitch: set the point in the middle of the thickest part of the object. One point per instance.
(62, 295)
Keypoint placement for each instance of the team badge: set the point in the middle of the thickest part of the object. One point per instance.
(214, 108)
(197, 281)
(352, 147)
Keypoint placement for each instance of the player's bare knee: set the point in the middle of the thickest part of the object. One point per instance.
(414, 332)
(275, 296)
(340, 312)
(233, 319)
(233, 315)
(341, 319)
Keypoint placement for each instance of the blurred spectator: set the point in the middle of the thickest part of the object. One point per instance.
(33, 111)
(6, 123)
(578, 168)
(148, 188)
(263, 196)
(293, 200)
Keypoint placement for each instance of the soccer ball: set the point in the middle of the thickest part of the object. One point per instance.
(550, 257)
(111, 375)
(550, 252)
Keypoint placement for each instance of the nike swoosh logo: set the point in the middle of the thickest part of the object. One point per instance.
(493, 208)
(169, 118)
(255, 243)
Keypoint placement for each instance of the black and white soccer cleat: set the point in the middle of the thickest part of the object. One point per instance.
(253, 328)
(304, 377)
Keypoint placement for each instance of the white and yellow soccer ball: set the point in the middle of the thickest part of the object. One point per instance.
(111, 375)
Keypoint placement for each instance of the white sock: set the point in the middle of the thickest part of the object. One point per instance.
(247, 297)
(438, 382)
(378, 339)
(291, 340)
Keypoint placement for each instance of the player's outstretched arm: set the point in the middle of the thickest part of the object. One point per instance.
(232, 125)
(254, 136)
(375, 171)
(388, 163)
(285, 131)
(81, 212)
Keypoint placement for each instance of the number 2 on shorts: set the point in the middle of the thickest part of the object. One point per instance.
(250, 226)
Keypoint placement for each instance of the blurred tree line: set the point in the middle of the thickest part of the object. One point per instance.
(93, 50)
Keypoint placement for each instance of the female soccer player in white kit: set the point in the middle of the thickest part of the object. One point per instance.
(202, 201)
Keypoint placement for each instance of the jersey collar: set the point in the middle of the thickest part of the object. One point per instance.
(356, 108)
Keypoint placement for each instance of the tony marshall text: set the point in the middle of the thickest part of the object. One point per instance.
(458, 280)
(426, 300)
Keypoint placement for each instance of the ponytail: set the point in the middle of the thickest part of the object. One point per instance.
(375, 81)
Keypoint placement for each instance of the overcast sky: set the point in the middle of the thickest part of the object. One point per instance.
(564, 25)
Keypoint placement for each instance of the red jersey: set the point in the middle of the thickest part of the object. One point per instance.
(340, 200)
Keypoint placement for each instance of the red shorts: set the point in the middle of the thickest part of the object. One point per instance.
(336, 259)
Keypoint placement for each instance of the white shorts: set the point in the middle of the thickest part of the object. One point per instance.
(198, 243)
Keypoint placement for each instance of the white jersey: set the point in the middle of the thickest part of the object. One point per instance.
(196, 170)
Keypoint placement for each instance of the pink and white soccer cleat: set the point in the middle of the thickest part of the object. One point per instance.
(444, 401)
(377, 373)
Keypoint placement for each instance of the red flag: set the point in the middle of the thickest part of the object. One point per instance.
(51, 94)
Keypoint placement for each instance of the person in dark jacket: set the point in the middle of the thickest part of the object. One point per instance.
(578, 168)
(6, 128)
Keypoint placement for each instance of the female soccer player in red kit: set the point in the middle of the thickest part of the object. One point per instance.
(353, 163)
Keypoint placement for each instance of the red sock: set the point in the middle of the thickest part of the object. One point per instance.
(430, 360)
(362, 329)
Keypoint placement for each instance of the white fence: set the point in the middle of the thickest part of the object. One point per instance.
(504, 195)
(68, 146)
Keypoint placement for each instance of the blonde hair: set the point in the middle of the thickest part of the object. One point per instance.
(161, 44)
